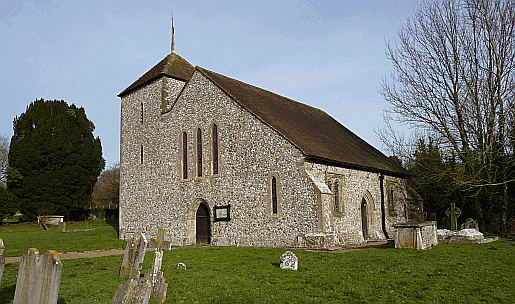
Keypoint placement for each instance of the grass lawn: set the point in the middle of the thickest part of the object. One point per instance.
(18, 238)
(444, 274)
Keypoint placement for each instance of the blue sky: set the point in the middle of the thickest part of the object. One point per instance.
(327, 54)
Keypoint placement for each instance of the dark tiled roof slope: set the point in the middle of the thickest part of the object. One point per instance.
(172, 65)
(317, 134)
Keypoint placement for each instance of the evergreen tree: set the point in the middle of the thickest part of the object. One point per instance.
(54, 159)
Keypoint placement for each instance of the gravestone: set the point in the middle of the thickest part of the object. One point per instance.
(134, 256)
(289, 261)
(453, 213)
(2, 260)
(39, 278)
(62, 226)
(135, 291)
(180, 266)
(155, 275)
(470, 224)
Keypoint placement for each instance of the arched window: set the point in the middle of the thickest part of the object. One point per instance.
(334, 184)
(336, 192)
(274, 195)
(214, 149)
(141, 154)
(141, 112)
(199, 152)
(184, 155)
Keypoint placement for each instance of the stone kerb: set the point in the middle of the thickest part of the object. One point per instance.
(2, 260)
(134, 256)
(289, 261)
(39, 278)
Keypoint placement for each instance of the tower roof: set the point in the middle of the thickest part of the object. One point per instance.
(173, 66)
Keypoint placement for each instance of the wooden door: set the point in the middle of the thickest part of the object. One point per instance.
(203, 227)
(364, 219)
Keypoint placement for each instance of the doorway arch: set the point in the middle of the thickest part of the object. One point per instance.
(202, 225)
(367, 216)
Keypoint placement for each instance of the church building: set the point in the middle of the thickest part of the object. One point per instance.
(217, 161)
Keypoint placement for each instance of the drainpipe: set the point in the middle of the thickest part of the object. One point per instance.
(383, 213)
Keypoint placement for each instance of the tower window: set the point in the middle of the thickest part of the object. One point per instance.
(214, 149)
(141, 112)
(184, 155)
(199, 152)
(141, 154)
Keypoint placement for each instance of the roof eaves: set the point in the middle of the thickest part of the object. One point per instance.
(325, 161)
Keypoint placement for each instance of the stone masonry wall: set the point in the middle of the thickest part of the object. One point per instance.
(356, 185)
(154, 196)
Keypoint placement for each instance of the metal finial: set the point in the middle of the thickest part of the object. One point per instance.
(173, 34)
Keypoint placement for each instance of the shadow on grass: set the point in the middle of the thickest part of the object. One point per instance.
(7, 294)
(276, 264)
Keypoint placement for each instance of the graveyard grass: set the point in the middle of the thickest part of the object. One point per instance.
(472, 273)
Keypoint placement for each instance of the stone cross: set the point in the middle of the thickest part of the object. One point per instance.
(155, 275)
(135, 291)
(39, 278)
(2, 261)
(289, 261)
(453, 213)
(134, 256)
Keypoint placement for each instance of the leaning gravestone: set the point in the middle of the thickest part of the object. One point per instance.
(2, 260)
(39, 278)
(133, 257)
(135, 291)
(155, 275)
(289, 261)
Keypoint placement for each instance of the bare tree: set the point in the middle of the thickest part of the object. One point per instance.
(454, 79)
(4, 158)
(106, 190)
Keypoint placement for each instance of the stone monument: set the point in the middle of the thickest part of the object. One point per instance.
(39, 278)
(453, 213)
(134, 256)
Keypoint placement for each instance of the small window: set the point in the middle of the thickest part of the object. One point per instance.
(184, 155)
(334, 184)
(336, 192)
(274, 195)
(141, 154)
(199, 152)
(214, 150)
(391, 205)
(141, 112)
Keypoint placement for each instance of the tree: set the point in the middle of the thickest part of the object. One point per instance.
(454, 78)
(106, 192)
(4, 157)
(54, 159)
(7, 204)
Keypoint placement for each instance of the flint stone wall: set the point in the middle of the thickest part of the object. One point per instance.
(153, 194)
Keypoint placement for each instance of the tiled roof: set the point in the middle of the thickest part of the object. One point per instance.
(320, 137)
(313, 131)
(172, 65)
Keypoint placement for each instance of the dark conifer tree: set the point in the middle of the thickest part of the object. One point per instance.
(54, 159)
